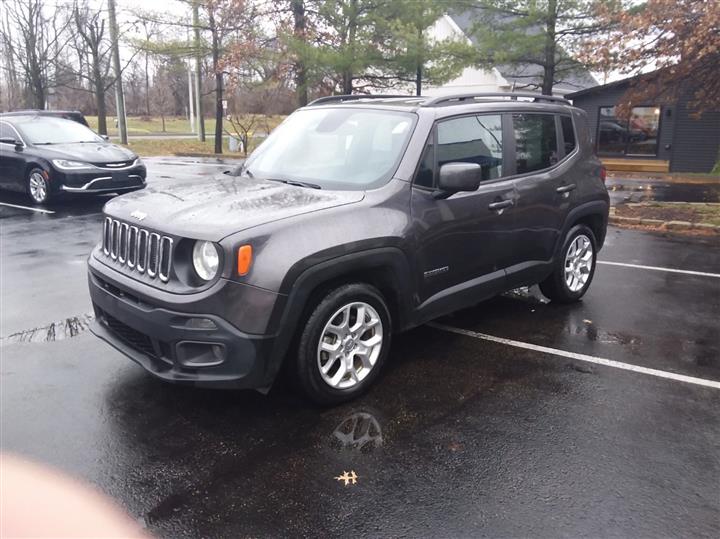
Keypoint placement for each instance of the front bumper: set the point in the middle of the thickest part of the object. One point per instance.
(99, 181)
(184, 347)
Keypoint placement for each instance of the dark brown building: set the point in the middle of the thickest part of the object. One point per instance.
(656, 138)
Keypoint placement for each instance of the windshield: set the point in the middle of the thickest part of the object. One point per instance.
(42, 131)
(335, 148)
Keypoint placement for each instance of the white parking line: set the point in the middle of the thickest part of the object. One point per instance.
(26, 208)
(657, 268)
(579, 357)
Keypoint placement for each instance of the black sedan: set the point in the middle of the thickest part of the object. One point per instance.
(46, 157)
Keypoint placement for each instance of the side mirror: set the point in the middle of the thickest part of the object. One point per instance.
(105, 138)
(9, 140)
(457, 177)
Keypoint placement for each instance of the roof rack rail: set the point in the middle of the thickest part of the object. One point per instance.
(356, 97)
(513, 96)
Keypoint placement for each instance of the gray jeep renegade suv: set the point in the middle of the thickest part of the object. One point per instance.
(357, 218)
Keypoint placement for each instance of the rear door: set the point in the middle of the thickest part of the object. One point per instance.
(463, 243)
(545, 190)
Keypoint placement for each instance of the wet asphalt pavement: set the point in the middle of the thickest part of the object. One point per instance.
(462, 436)
(639, 190)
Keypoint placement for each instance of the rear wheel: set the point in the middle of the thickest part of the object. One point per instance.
(38, 187)
(343, 344)
(575, 267)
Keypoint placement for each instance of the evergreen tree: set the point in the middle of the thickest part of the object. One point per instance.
(534, 37)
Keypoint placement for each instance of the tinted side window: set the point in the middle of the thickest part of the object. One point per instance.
(568, 134)
(535, 141)
(472, 139)
(425, 176)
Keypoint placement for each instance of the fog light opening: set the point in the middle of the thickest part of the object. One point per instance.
(200, 354)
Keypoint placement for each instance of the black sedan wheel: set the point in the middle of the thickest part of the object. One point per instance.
(37, 186)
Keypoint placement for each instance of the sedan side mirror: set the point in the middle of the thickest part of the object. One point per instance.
(9, 140)
(457, 177)
(105, 138)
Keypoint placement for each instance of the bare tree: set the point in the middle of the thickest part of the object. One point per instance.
(35, 41)
(92, 43)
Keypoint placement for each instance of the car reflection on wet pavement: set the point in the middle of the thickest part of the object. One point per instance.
(460, 436)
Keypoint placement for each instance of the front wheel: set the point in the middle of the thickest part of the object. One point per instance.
(343, 344)
(574, 268)
(38, 187)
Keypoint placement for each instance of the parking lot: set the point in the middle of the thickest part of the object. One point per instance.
(514, 418)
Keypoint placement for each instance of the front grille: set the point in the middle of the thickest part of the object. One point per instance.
(130, 336)
(137, 248)
(116, 165)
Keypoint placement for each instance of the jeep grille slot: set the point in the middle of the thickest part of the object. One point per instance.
(137, 249)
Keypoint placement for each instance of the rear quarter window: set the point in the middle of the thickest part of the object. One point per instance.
(568, 132)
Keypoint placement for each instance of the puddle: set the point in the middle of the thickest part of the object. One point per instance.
(57, 331)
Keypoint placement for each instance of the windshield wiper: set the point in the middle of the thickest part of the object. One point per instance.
(296, 183)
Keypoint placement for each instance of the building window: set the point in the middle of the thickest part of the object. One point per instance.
(535, 142)
(636, 136)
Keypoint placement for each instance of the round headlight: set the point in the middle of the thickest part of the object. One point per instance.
(205, 259)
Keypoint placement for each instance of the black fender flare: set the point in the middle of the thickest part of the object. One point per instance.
(600, 208)
(302, 280)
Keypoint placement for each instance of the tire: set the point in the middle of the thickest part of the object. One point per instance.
(351, 359)
(573, 271)
(38, 188)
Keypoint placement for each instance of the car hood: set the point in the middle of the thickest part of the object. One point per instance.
(211, 209)
(89, 152)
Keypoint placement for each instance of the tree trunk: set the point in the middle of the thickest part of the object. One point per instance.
(147, 85)
(218, 83)
(347, 85)
(38, 91)
(298, 11)
(550, 48)
(198, 72)
(101, 109)
(418, 80)
(348, 74)
(99, 85)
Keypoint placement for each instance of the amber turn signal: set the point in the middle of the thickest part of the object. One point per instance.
(244, 260)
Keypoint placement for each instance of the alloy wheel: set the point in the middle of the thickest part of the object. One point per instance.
(350, 345)
(38, 187)
(578, 263)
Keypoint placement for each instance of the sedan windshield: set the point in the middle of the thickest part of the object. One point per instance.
(41, 131)
(335, 148)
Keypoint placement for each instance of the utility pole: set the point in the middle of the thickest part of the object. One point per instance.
(191, 105)
(198, 73)
(122, 126)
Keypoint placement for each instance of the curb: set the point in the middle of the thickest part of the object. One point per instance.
(666, 225)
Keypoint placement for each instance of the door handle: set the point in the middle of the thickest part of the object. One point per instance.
(495, 206)
(566, 188)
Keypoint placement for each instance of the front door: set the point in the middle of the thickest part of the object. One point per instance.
(464, 240)
(12, 162)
